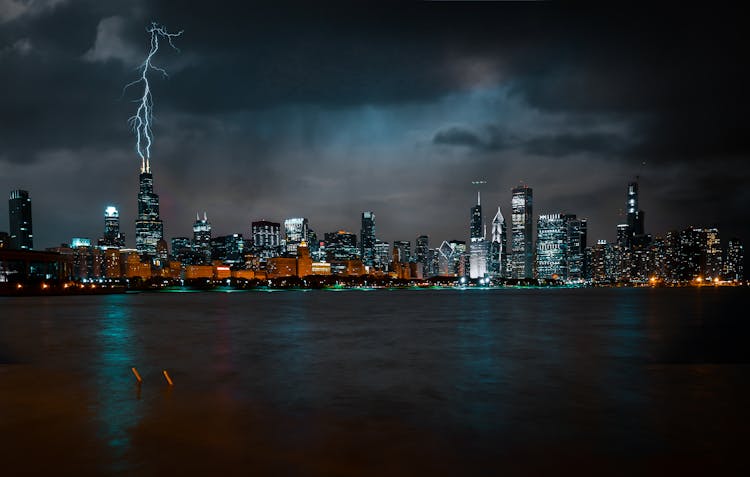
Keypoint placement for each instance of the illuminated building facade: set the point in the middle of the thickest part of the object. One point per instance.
(477, 242)
(401, 251)
(19, 215)
(202, 239)
(295, 231)
(181, 248)
(382, 257)
(148, 226)
(497, 261)
(266, 238)
(734, 269)
(422, 252)
(229, 249)
(112, 236)
(577, 231)
(551, 246)
(341, 246)
(522, 250)
(367, 238)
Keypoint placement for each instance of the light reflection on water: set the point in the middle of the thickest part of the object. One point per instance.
(479, 372)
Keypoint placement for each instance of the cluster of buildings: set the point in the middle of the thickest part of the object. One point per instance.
(557, 252)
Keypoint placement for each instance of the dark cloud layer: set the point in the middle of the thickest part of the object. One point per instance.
(326, 110)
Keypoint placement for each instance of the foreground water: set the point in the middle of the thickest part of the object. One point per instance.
(440, 382)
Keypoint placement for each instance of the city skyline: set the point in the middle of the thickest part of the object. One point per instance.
(332, 138)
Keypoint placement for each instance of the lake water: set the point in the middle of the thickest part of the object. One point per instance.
(401, 382)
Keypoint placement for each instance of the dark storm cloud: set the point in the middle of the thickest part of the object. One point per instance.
(604, 145)
(489, 139)
(258, 91)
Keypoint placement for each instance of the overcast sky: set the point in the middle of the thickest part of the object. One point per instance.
(324, 110)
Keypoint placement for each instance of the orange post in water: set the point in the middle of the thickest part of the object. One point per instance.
(137, 376)
(169, 380)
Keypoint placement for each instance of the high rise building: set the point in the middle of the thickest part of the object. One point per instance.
(19, 215)
(202, 238)
(551, 246)
(577, 231)
(477, 242)
(497, 262)
(734, 269)
(266, 238)
(112, 237)
(402, 248)
(295, 232)
(636, 237)
(635, 215)
(181, 249)
(149, 228)
(422, 251)
(522, 250)
(341, 245)
(367, 238)
(228, 249)
(382, 259)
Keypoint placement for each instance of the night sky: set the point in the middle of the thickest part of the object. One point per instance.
(324, 111)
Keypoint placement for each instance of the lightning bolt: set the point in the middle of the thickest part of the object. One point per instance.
(141, 121)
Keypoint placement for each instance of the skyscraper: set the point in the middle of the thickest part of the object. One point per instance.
(148, 227)
(202, 238)
(19, 215)
(551, 246)
(266, 238)
(402, 248)
(577, 230)
(522, 250)
(112, 236)
(295, 231)
(497, 262)
(367, 238)
(422, 252)
(734, 263)
(635, 216)
(477, 242)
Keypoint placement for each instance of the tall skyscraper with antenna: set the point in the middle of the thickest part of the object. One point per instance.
(477, 243)
(149, 229)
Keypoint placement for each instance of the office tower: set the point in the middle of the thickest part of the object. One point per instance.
(312, 241)
(181, 248)
(367, 238)
(712, 266)
(477, 242)
(341, 245)
(295, 232)
(734, 263)
(497, 262)
(228, 249)
(635, 215)
(637, 237)
(551, 246)
(577, 230)
(266, 238)
(112, 236)
(421, 252)
(148, 226)
(202, 238)
(382, 255)
(402, 251)
(623, 235)
(19, 215)
(446, 260)
(700, 253)
(522, 250)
